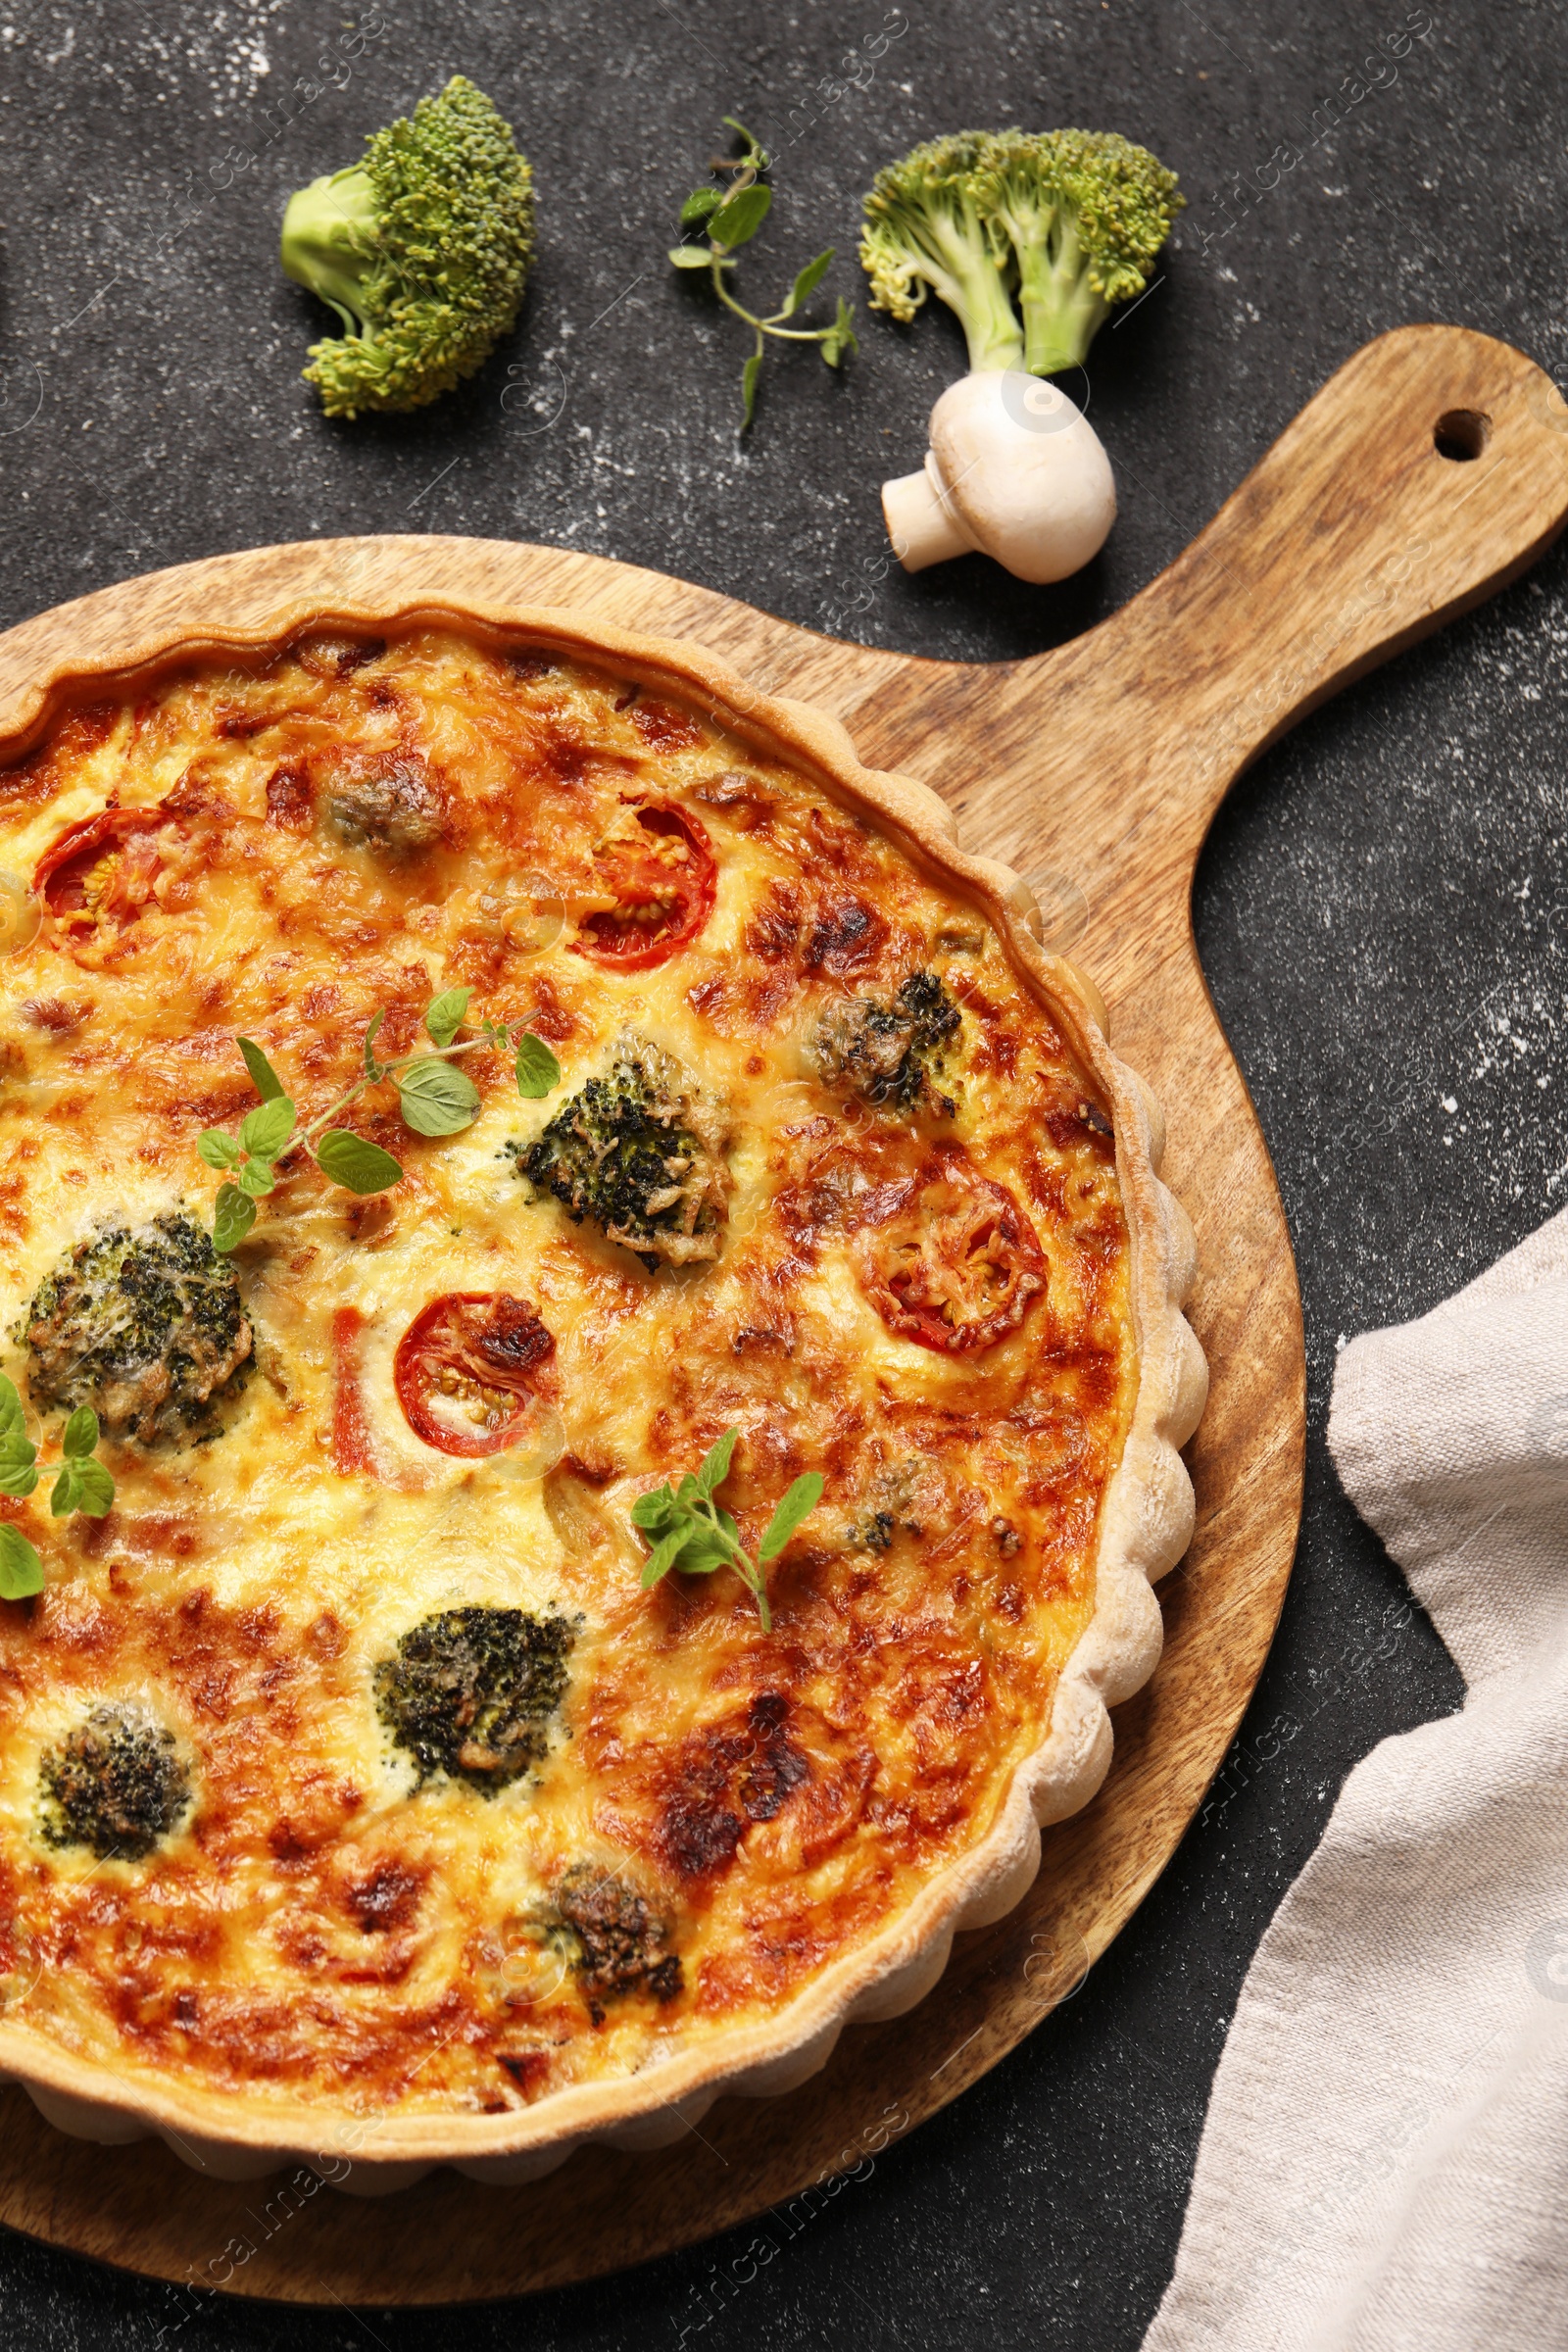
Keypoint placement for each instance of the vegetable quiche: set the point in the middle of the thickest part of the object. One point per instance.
(635, 1412)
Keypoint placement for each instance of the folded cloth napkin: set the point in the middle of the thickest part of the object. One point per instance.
(1384, 2162)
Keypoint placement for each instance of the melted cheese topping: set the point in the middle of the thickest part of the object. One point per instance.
(322, 1925)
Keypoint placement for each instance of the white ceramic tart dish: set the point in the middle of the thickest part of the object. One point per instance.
(360, 1804)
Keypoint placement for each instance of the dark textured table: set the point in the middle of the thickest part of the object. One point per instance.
(1381, 909)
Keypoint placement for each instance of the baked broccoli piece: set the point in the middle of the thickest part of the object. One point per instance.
(617, 1942)
(889, 1509)
(116, 1785)
(471, 1693)
(382, 801)
(144, 1324)
(640, 1151)
(422, 249)
(890, 1053)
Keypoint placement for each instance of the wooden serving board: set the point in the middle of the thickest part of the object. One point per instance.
(1101, 763)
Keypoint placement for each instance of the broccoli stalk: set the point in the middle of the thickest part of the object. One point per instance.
(422, 249)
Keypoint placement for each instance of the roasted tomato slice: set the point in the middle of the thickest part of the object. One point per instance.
(467, 1370)
(948, 1258)
(657, 863)
(104, 865)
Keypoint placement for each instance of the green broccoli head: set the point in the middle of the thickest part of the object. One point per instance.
(924, 233)
(617, 1944)
(422, 250)
(471, 1693)
(1085, 213)
(891, 1051)
(639, 1152)
(144, 1324)
(1071, 219)
(115, 1785)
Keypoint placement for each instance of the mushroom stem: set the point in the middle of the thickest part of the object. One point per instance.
(922, 523)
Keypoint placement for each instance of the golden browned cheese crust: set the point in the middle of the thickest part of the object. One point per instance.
(717, 1811)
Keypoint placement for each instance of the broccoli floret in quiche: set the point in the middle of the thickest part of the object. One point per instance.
(384, 800)
(144, 1324)
(890, 1052)
(639, 1152)
(618, 1944)
(471, 1693)
(116, 1785)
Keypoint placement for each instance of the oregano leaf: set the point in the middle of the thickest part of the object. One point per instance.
(357, 1165)
(21, 1569)
(80, 1436)
(266, 1080)
(92, 1490)
(715, 1464)
(538, 1070)
(652, 1510)
(661, 1558)
(442, 1016)
(264, 1132)
(435, 1099)
(12, 1420)
(809, 279)
(234, 1216)
(738, 218)
(18, 1474)
(800, 1500)
(219, 1151)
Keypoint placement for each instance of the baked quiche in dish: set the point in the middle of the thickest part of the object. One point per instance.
(593, 1375)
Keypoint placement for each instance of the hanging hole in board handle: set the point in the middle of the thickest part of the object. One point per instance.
(1461, 434)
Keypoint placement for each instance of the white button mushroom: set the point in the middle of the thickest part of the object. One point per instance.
(1014, 470)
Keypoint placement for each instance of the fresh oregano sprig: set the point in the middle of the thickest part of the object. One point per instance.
(688, 1530)
(433, 1096)
(730, 216)
(83, 1484)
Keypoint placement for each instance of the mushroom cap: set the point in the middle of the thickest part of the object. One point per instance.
(1014, 470)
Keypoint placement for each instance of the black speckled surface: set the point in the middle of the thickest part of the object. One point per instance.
(1382, 909)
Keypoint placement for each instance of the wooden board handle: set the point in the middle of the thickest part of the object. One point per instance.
(1426, 473)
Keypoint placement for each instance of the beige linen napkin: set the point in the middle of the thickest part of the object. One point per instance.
(1385, 2163)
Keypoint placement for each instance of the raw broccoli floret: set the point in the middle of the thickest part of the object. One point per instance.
(422, 250)
(616, 1942)
(924, 233)
(640, 1151)
(471, 1693)
(892, 1053)
(116, 1785)
(1072, 218)
(1084, 212)
(146, 1324)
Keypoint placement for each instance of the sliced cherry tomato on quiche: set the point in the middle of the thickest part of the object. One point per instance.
(103, 866)
(657, 864)
(467, 1370)
(948, 1258)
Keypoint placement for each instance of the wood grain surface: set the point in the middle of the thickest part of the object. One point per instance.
(1096, 769)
